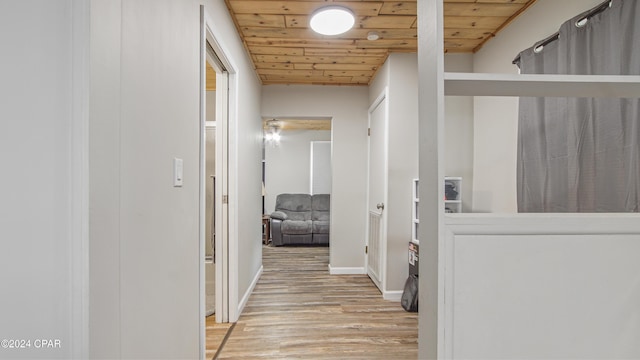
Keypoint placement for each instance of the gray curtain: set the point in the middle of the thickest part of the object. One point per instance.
(582, 154)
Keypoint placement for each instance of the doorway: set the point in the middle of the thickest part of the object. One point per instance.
(296, 159)
(210, 208)
(217, 78)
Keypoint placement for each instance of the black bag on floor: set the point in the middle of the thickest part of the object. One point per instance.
(409, 300)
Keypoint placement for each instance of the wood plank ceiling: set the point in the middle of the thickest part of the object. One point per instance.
(285, 50)
(284, 124)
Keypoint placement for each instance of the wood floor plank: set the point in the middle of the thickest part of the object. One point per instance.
(299, 311)
(215, 333)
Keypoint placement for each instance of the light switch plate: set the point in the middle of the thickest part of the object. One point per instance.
(177, 172)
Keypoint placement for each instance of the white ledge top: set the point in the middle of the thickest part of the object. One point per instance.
(485, 84)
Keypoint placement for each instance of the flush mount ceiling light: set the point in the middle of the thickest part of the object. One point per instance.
(332, 20)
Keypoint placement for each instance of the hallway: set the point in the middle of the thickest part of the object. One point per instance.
(298, 310)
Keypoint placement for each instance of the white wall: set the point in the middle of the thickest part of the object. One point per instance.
(288, 164)
(458, 129)
(320, 177)
(495, 122)
(347, 107)
(399, 73)
(514, 292)
(144, 232)
(36, 211)
(105, 182)
(154, 225)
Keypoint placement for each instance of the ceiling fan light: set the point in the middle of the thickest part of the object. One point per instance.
(332, 20)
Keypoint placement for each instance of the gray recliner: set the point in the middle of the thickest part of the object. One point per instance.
(300, 219)
(320, 218)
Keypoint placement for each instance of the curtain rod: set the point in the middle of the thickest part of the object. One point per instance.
(581, 22)
(596, 10)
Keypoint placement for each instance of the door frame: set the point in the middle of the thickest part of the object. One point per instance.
(311, 143)
(226, 256)
(383, 97)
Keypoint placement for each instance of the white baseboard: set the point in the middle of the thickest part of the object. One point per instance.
(346, 270)
(247, 294)
(395, 295)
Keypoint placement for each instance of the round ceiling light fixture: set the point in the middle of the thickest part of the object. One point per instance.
(332, 20)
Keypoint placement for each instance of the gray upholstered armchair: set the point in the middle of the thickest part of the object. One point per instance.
(300, 219)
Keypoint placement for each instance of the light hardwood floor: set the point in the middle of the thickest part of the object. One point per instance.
(299, 311)
(215, 333)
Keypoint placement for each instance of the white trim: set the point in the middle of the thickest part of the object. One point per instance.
(229, 248)
(431, 109)
(247, 294)
(347, 270)
(233, 216)
(202, 189)
(79, 175)
(311, 167)
(311, 145)
(394, 295)
(221, 218)
(378, 100)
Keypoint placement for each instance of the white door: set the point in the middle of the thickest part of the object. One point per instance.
(377, 190)
(210, 209)
(214, 216)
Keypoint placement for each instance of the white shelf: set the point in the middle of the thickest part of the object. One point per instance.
(454, 205)
(414, 212)
(485, 84)
(451, 206)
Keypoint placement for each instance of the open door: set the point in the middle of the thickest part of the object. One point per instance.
(214, 227)
(377, 192)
